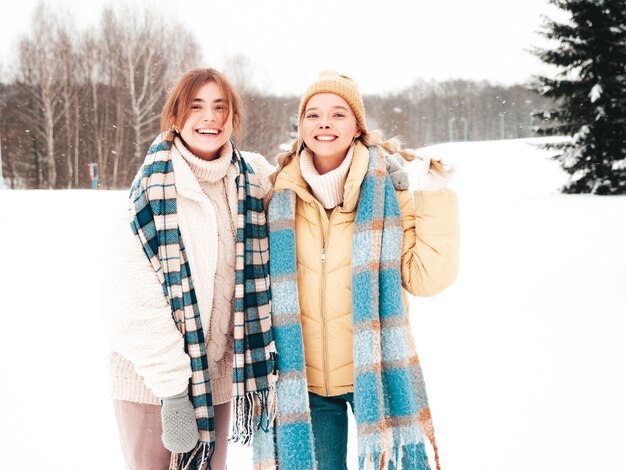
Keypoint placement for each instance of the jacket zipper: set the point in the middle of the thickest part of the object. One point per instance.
(325, 241)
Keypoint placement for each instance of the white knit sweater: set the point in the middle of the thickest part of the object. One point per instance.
(148, 359)
(329, 187)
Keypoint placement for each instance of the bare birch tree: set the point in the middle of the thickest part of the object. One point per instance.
(151, 53)
(66, 55)
(39, 76)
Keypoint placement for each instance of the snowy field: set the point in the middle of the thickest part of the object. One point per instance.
(523, 356)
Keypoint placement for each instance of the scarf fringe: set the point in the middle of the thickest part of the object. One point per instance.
(194, 459)
(254, 406)
(392, 460)
(433, 443)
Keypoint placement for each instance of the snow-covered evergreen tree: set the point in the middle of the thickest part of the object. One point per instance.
(589, 92)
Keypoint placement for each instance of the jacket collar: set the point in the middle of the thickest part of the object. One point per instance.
(291, 178)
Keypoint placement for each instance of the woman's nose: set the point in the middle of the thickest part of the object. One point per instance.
(324, 123)
(208, 115)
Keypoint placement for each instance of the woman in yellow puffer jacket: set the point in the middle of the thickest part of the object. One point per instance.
(333, 217)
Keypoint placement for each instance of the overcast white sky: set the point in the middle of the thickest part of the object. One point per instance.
(383, 44)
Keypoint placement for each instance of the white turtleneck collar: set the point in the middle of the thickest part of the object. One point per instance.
(207, 170)
(329, 187)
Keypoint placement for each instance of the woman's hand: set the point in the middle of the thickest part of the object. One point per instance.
(433, 173)
(180, 431)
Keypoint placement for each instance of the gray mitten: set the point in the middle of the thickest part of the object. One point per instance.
(180, 431)
(399, 176)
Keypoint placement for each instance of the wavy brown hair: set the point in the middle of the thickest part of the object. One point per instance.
(181, 96)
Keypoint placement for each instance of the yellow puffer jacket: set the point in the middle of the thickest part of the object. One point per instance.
(323, 252)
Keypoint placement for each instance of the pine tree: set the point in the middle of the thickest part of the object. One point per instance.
(589, 93)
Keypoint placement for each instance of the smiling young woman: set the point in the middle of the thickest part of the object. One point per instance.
(328, 129)
(346, 240)
(208, 125)
(191, 282)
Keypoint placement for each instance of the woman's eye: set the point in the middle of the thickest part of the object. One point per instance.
(195, 106)
(220, 108)
(311, 116)
(339, 115)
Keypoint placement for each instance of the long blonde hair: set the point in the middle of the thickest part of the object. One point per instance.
(367, 138)
(393, 145)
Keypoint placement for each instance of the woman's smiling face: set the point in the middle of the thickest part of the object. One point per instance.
(209, 123)
(328, 128)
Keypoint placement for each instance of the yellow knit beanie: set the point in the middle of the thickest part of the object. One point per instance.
(330, 81)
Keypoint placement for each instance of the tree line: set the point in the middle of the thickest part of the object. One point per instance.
(95, 96)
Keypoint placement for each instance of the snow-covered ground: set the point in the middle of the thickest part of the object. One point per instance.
(523, 356)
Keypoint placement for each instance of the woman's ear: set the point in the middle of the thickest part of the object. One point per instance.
(357, 134)
(174, 124)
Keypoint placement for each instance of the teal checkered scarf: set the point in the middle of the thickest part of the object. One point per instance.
(390, 403)
(155, 224)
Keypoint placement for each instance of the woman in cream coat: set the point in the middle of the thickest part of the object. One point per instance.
(173, 353)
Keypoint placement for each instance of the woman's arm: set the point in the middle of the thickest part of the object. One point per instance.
(141, 323)
(262, 169)
(430, 245)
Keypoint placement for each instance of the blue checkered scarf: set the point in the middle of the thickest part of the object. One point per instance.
(155, 224)
(390, 402)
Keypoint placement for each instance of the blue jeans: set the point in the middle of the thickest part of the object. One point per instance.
(329, 416)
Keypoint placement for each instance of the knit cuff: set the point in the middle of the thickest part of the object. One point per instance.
(126, 384)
